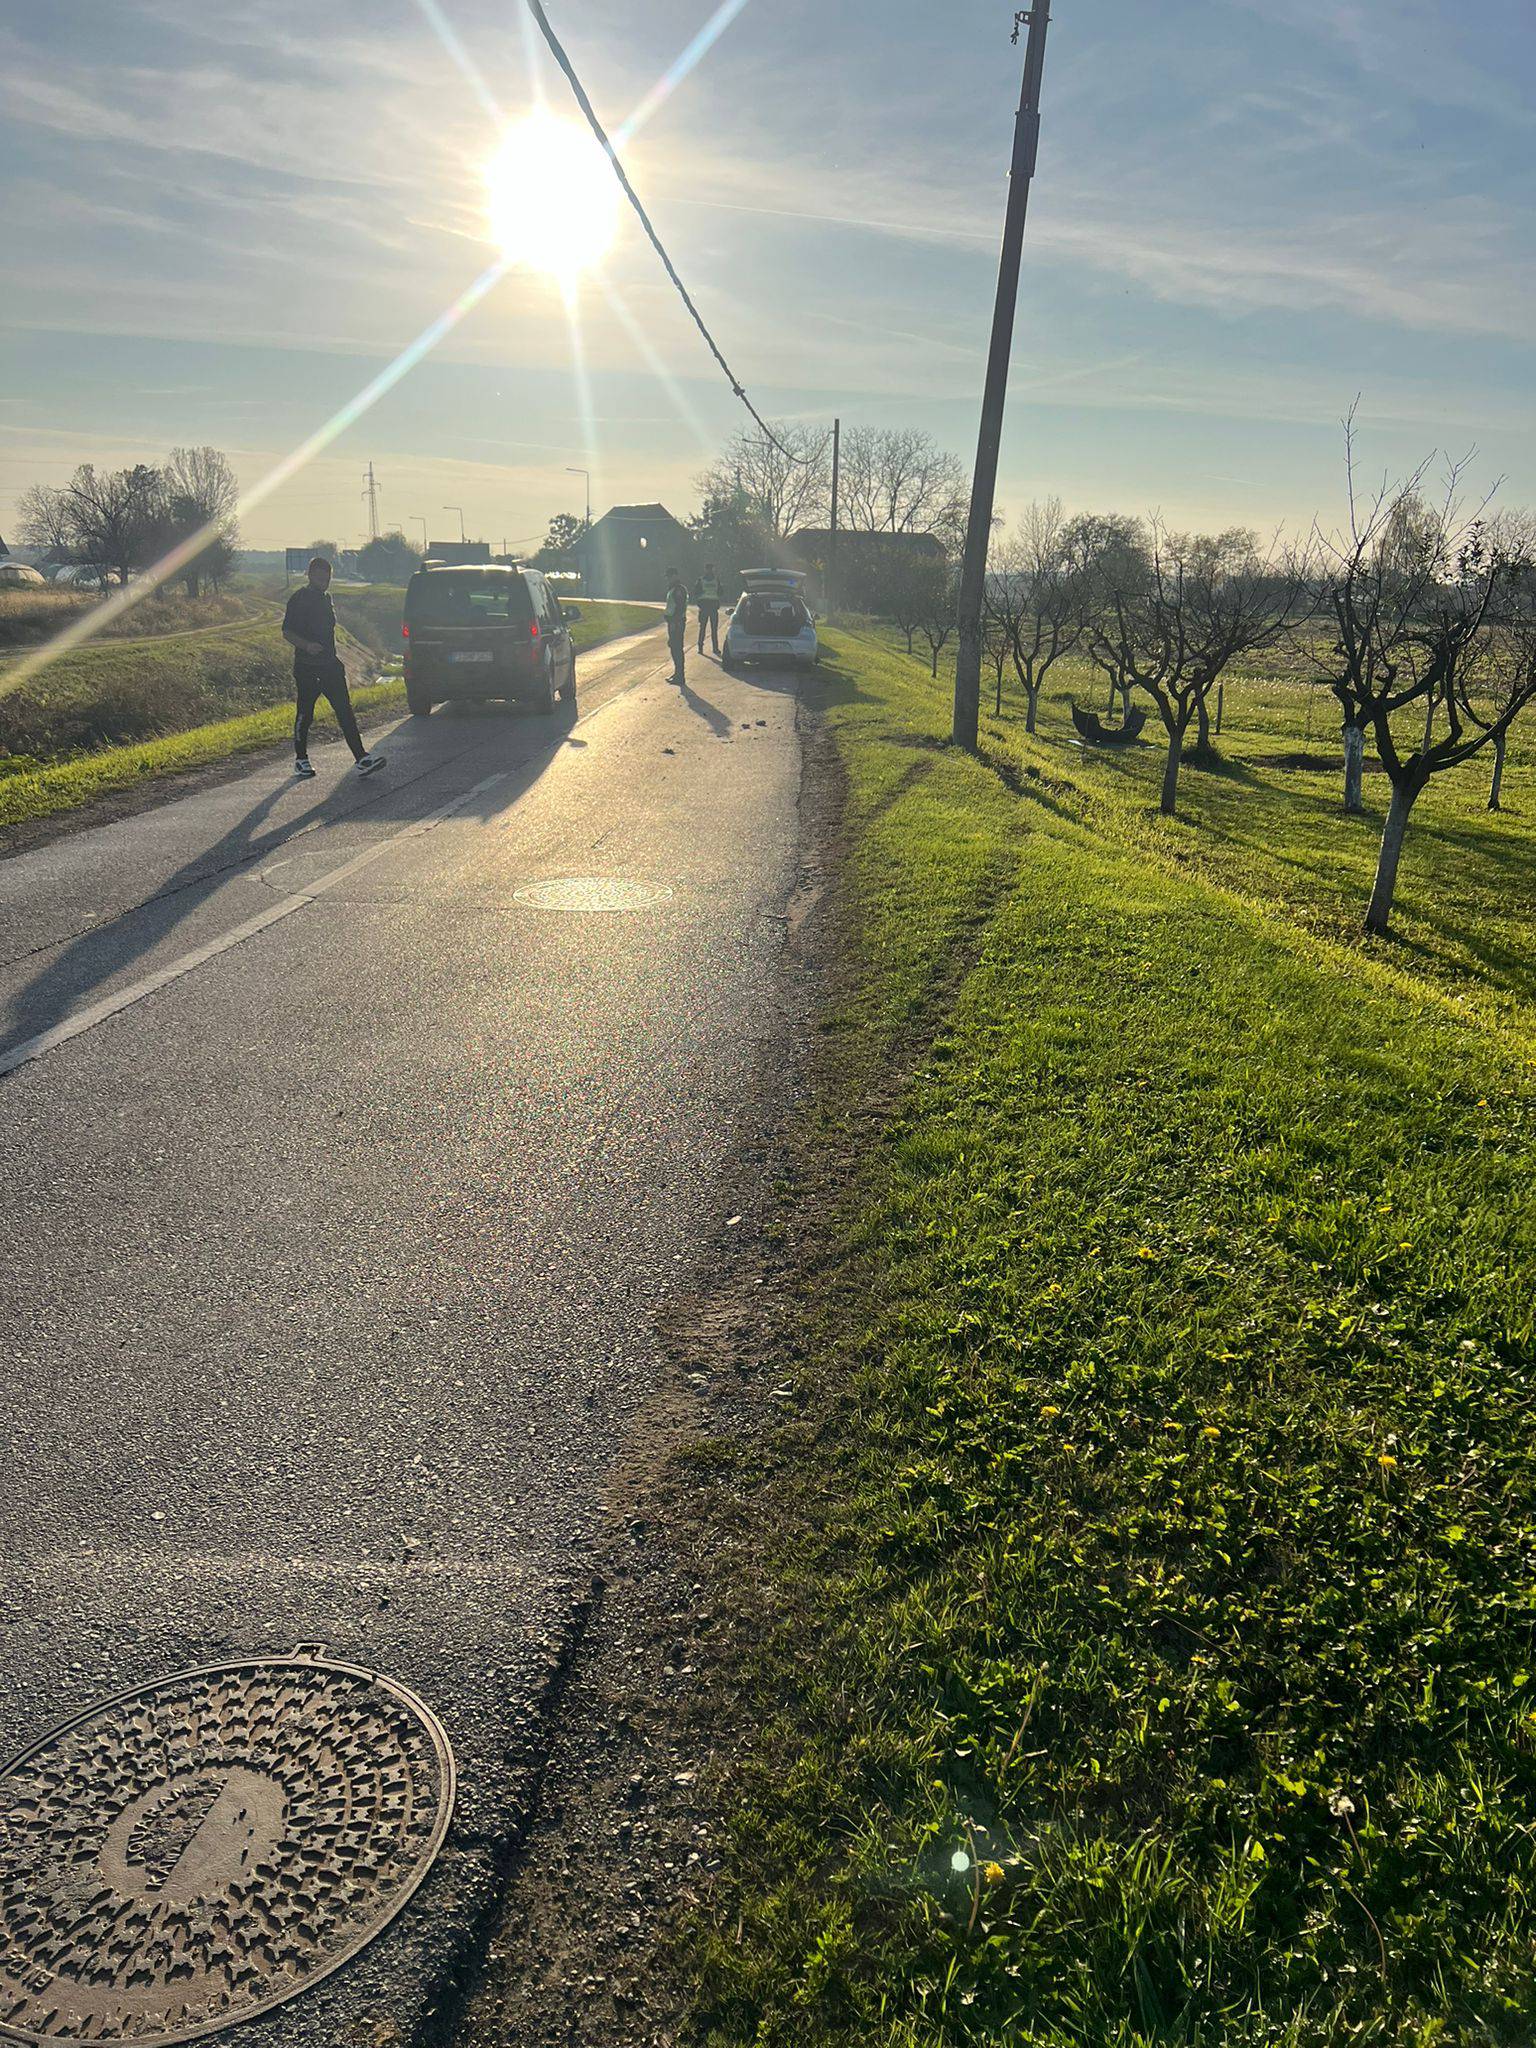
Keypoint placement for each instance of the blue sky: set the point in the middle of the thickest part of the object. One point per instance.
(219, 223)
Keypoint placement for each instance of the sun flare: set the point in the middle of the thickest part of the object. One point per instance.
(552, 201)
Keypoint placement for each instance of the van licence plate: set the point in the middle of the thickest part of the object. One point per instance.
(471, 657)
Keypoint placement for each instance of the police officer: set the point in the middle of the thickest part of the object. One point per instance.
(709, 608)
(677, 621)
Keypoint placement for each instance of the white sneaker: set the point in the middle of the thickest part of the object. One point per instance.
(369, 763)
(302, 770)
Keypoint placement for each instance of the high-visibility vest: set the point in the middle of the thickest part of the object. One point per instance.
(709, 589)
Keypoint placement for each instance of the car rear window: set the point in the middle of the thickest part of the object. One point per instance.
(763, 614)
(467, 599)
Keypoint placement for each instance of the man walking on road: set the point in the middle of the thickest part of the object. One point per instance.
(677, 621)
(309, 627)
(709, 608)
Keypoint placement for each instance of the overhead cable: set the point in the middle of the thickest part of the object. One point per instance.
(557, 50)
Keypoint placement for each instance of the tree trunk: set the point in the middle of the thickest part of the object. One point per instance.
(910, 633)
(1221, 705)
(1034, 704)
(1169, 805)
(1202, 725)
(1429, 724)
(1354, 769)
(997, 709)
(1113, 686)
(935, 663)
(1378, 917)
(1498, 771)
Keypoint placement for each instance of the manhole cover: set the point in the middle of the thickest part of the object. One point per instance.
(593, 892)
(185, 1856)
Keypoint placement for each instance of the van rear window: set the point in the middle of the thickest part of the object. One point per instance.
(467, 600)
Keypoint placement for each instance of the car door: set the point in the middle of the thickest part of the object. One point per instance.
(552, 621)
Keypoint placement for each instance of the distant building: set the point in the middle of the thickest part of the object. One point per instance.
(630, 550)
(859, 558)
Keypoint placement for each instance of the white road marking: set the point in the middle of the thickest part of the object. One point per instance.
(80, 1021)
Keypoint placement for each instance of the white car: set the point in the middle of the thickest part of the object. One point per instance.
(771, 623)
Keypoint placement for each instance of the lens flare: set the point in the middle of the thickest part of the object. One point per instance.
(552, 202)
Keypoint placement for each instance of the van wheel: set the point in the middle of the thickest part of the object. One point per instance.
(419, 707)
(569, 692)
(544, 697)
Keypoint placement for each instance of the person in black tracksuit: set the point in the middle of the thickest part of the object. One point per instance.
(309, 627)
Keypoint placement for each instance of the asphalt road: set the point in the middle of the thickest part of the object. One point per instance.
(340, 1194)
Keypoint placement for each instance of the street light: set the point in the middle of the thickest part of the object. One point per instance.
(460, 510)
(570, 471)
(419, 521)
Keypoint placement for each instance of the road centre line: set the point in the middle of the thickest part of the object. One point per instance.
(80, 1021)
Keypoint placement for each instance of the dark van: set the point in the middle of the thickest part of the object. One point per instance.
(476, 633)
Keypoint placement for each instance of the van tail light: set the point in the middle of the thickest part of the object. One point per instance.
(533, 629)
(405, 631)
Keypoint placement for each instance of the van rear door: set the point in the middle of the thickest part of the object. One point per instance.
(470, 632)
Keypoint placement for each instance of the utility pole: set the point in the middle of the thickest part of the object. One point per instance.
(417, 520)
(837, 479)
(571, 471)
(978, 537)
(371, 493)
(460, 510)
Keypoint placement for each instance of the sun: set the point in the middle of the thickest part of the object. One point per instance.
(552, 201)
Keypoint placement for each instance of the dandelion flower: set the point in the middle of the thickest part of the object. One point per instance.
(1387, 1462)
(1210, 1434)
(992, 1872)
(1048, 1411)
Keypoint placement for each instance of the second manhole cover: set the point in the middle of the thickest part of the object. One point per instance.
(593, 892)
(190, 1854)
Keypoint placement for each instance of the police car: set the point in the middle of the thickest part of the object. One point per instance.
(771, 623)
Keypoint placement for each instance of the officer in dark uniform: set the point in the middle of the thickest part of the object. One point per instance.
(309, 627)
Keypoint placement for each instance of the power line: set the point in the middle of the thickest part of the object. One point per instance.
(557, 50)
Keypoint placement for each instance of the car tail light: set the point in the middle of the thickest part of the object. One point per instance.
(405, 631)
(533, 629)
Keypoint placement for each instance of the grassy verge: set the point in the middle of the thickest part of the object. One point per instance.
(163, 682)
(1155, 1550)
(43, 790)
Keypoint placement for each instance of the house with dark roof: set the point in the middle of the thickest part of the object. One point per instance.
(630, 550)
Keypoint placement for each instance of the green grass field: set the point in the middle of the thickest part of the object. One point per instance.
(1151, 1562)
(109, 718)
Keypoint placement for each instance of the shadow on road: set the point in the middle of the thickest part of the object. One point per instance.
(485, 739)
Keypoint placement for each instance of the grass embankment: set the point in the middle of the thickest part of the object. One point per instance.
(166, 692)
(1155, 1550)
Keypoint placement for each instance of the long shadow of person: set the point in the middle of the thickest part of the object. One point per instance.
(716, 719)
(80, 966)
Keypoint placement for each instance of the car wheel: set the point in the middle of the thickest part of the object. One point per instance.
(417, 705)
(543, 699)
(569, 692)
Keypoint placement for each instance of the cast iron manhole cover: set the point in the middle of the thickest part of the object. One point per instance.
(593, 892)
(190, 1854)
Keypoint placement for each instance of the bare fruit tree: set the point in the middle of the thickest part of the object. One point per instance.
(1373, 584)
(202, 495)
(1173, 627)
(938, 617)
(1469, 663)
(787, 490)
(1037, 593)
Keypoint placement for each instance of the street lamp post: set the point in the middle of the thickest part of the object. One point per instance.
(460, 510)
(571, 471)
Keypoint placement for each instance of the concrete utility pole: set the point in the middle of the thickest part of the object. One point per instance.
(837, 480)
(978, 537)
(371, 493)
